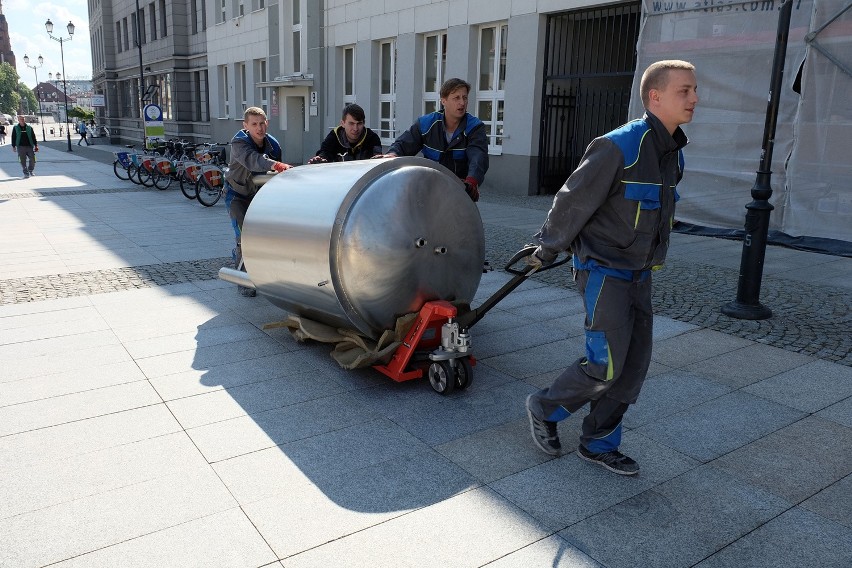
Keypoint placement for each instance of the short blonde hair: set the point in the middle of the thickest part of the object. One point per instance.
(254, 111)
(656, 76)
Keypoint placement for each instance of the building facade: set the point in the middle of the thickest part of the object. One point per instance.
(153, 51)
(302, 60)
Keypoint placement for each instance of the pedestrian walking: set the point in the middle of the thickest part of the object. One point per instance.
(83, 130)
(615, 214)
(25, 143)
(2, 134)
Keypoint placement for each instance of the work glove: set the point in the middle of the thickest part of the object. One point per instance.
(471, 186)
(280, 167)
(540, 258)
(317, 160)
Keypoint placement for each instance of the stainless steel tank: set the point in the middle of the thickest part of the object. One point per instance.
(358, 244)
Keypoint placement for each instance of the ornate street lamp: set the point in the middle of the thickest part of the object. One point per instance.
(38, 95)
(48, 25)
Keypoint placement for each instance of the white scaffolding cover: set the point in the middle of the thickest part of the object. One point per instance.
(732, 46)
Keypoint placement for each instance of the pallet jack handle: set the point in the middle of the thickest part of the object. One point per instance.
(470, 318)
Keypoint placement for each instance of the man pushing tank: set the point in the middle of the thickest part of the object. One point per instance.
(253, 151)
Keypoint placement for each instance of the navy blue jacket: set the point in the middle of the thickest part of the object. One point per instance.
(465, 155)
(617, 208)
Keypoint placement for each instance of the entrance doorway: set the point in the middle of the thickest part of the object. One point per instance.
(589, 63)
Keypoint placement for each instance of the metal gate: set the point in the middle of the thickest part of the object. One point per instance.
(589, 62)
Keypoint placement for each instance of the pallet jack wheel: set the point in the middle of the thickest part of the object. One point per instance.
(441, 377)
(464, 373)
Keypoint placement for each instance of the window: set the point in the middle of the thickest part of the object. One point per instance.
(163, 30)
(140, 18)
(126, 36)
(297, 36)
(260, 77)
(200, 104)
(203, 15)
(221, 13)
(490, 94)
(241, 8)
(435, 61)
(118, 36)
(349, 74)
(387, 91)
(258, 4)
(152, 18)
(164, 94)
(241, 84)
(194, 16)
(135, 28)
(224, 88)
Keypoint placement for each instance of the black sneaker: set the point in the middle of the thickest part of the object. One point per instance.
(614, 461)
(247, 292)
(544, 433)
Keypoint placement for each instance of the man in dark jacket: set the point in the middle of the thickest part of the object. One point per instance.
(452, 137)
(615, 214)
(253, 151)
(350, 140)
(25, 143)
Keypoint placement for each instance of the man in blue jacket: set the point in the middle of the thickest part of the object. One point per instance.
(615, 214)
(452, 137)
(253, 151)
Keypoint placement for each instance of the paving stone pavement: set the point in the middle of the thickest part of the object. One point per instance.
(149, 418)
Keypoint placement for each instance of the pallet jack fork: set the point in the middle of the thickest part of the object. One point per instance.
(442, 336)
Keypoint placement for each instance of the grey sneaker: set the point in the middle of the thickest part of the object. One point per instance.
(614, 461)
(544, 433)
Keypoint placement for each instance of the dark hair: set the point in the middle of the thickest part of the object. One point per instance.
(451, 85)
(354, 111)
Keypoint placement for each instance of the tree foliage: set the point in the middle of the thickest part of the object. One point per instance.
(81, 113)
(10, 98)
(15, 96)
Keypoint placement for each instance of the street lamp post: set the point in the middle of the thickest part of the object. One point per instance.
(38, 96)
(48, 25)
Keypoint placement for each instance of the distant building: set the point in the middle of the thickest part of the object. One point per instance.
(6, 53)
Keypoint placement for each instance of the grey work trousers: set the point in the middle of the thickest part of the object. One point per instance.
(26, 153)
(619, 326)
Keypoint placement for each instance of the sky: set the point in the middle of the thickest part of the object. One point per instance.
(28, 37)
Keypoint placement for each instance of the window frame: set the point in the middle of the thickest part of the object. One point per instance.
(493, 94)
(433, 98)
(387, 100)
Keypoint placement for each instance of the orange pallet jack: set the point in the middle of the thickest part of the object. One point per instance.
(440, 338)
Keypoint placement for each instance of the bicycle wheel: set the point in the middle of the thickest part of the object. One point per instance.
(207, 194)
(120, 171)
(133, 174)
(187, 186)
(161, 180)
(144, 177)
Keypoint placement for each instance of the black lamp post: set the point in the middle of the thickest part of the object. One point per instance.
(38, 96)
(747, 304)
(48, 25)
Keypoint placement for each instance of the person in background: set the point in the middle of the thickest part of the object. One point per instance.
(615, 213)
(25, 143)
(83, 130)
(253, 151)
(452, 137)
(350, 140)
(2, 134)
